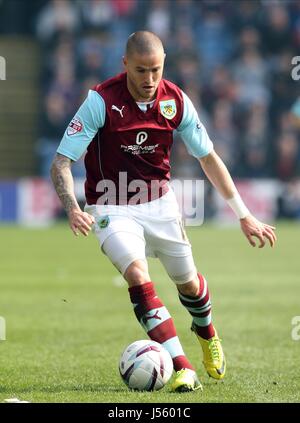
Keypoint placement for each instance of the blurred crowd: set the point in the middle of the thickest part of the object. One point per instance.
(232, 57)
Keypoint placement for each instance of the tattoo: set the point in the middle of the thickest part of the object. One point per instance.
(63, 181)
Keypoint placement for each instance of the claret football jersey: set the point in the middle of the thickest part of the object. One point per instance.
(128, 144)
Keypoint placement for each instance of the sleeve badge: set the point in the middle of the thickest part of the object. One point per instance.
(75, 126)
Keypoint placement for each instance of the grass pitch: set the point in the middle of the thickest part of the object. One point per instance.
(68, 317)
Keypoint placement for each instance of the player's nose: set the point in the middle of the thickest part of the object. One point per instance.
(150, 79)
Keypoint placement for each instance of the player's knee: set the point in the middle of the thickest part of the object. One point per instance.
(183, 279)
(190, 288)
(137, 273)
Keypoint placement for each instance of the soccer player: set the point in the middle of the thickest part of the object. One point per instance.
(126, 124)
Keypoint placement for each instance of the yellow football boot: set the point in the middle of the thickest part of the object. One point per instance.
(186, 380)
(213, 356)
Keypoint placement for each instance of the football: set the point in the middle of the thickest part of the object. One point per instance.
(145, 365)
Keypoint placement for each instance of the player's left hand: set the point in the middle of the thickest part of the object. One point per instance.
(254, 228)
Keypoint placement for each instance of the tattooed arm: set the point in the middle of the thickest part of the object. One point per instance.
(63, 182)
(64, 185)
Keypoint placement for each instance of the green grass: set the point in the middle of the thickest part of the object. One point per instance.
(68, 319)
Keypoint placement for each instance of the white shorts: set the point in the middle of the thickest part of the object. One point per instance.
(133, 232)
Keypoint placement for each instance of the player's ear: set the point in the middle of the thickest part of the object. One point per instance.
(124, 60)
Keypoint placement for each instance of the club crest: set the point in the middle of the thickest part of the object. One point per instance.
(103, 222)
(168, 108)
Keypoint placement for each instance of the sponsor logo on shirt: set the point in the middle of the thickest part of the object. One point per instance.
(168, 108)
(74, 126)
(141, 137)
(137, 148)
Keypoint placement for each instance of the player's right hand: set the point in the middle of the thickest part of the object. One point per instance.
(80, 222)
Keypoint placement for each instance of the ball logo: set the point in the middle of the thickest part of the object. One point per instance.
(141, 137)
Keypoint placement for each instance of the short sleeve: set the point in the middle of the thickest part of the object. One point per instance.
(89, 118)
(193, 132)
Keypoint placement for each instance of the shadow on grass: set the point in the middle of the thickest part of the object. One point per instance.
(63, 388)
(94, 388)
